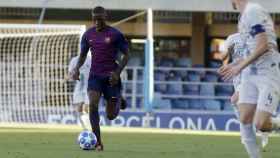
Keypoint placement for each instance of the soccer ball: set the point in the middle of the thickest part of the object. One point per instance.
(87, 140)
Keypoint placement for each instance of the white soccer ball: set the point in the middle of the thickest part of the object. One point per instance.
(87, 140)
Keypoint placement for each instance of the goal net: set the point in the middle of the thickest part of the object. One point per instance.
(33, 64)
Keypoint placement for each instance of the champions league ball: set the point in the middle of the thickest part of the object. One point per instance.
(87, 140)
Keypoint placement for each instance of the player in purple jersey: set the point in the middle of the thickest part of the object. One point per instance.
(105, 43)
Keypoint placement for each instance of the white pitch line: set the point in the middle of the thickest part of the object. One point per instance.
(7, 127)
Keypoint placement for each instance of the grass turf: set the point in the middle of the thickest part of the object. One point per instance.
(54, 143)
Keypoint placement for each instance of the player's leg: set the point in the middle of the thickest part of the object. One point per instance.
(95, 89)
(94, 118)
(234, 99)
(113, 97)
(247, 107)
(267, 105)
(80, 115)
(78, 102)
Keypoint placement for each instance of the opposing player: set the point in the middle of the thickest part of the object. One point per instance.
(80, 96)
(105, 43)
(234, 49)
(259, 90)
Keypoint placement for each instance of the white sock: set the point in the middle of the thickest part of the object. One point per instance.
(82, 121)
(275, 123)
(248, 138)
(236, 112)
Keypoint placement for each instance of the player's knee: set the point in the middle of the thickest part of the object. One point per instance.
(111, 116)
(80, 108)
(245, 119)
(263, 126)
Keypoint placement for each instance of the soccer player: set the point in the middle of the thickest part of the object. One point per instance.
(234, 49)
(105, 42)
(80, 96)
(260, 89)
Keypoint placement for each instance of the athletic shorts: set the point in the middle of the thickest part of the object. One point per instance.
(102, 85)
(261, 91)
(80, 97)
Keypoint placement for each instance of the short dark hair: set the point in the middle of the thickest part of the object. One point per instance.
(99, 10)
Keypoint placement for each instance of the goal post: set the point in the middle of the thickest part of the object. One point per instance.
(33, 65)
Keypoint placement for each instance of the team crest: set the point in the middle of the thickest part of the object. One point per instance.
(107, 40)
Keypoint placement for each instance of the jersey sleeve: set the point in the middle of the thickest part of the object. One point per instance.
(122, 43)
(256, 20)
(84, 44)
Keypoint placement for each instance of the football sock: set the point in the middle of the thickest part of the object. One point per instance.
(249, 140)
(94, 121)
(82, 122)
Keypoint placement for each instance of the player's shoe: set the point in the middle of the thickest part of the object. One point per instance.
(264, 140)
(123, 103)
(99, 147)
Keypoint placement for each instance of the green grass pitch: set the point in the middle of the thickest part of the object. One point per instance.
(57, 143)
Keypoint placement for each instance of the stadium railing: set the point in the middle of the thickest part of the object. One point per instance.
(179, 88)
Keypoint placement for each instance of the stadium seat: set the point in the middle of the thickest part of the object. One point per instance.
(128, 102)
(160, 103)
(166, 62)
(160, 76)
(139, 88)
(184, 62)
(211, 77)
(180, 104)
(207, 90)
(192, 89)
(139, 103)
(224, 90)
(227, 106)
(213, 105)
(215, 64)
(174, 88)
(195, 104)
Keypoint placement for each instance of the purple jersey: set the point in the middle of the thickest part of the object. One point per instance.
(104, 47)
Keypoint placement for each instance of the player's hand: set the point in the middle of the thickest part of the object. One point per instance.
(75, 75)
(114, 78)
(229, 71)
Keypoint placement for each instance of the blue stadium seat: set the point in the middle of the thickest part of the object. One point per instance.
(224, 90)
(180, 104)
(139, 88)
(211, 77)
(184, 62)
(207, 90)
(195, 104)
(160, 103)
(194, 77)
(215, 64)
(160, 76)
(139, 103)
(167, 62)
(213, 105)
(191, 89)
(128, 102)
(227, 106)
(174, 88)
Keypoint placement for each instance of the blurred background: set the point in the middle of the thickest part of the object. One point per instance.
(39, 37)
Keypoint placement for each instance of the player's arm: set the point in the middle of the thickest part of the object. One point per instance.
(122, 45)
(123, 61)
(261, 48)
(82, 57)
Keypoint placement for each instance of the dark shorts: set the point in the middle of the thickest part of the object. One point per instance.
(102, 85)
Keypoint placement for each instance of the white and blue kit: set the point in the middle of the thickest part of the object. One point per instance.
(80, 91)
(239, 49)
(261, 83)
